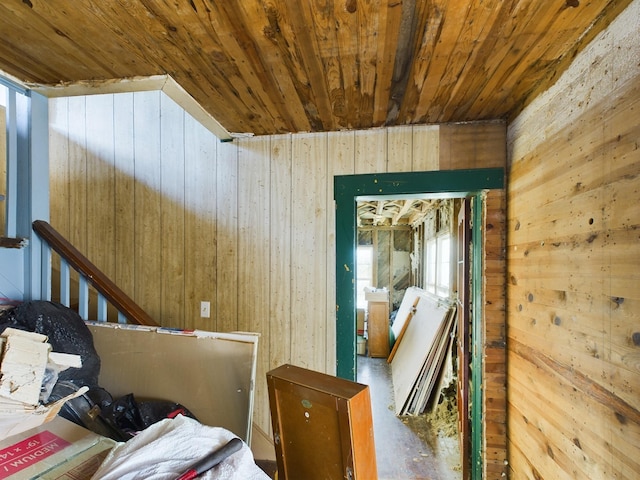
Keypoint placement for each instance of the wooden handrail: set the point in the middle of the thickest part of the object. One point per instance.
(99, 280)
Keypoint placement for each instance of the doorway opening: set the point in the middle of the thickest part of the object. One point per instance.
(439, 184)
(404, 252)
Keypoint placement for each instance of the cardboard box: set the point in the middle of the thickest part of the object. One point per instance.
(210, 373)
(57, 450)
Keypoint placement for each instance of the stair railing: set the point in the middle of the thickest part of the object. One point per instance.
(88, 274)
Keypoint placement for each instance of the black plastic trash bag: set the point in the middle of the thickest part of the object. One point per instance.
(130, 416)
(66, 331)
(86, 409)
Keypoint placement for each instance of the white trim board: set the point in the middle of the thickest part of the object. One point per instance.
(164, 83)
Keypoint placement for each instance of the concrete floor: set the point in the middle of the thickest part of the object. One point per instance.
(406, 447)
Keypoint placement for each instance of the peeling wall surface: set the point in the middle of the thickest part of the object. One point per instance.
(573, 279)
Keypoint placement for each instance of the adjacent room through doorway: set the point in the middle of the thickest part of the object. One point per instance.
(471, 184)
(404, 253)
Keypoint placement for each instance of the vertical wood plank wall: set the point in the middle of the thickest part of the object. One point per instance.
(177, 217)
(574, 268)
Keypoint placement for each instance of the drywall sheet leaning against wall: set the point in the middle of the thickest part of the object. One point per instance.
(415, 346)
(212, 374)
(406, 307)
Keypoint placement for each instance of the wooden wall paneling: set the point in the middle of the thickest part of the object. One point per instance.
(226, 316)
(445, 134)
(518, 462)
(100, 183)
(125, 186)
(148, 202)
(60, 209)
(309, 251)
(572, 282)
(254, 246)
(200, 243)
(572, 333)
(253, 232)
(281, 204)
(490, 139)
(371, 151)
(426, 148)
(558, 404)
(622, 351)
(472, 145)
(100, 202)
(400, 149)
(622, 216)
(77, 173)
(543, 441)
(77, 183)
(172, 207)
(340, 161)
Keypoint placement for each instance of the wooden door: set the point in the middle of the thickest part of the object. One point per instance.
(464, 337)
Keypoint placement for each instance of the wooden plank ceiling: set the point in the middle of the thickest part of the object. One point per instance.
(277, 66)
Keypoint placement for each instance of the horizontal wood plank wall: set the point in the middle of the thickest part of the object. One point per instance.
(494, 354)
(573, 276)
(248, 225)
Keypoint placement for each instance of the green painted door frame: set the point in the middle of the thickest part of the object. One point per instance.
(348, 189)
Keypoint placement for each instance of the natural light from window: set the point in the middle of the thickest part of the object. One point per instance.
(438, 265)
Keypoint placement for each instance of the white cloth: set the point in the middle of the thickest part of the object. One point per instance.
(167, 449)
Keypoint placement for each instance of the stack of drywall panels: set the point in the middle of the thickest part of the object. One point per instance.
(418, 357)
